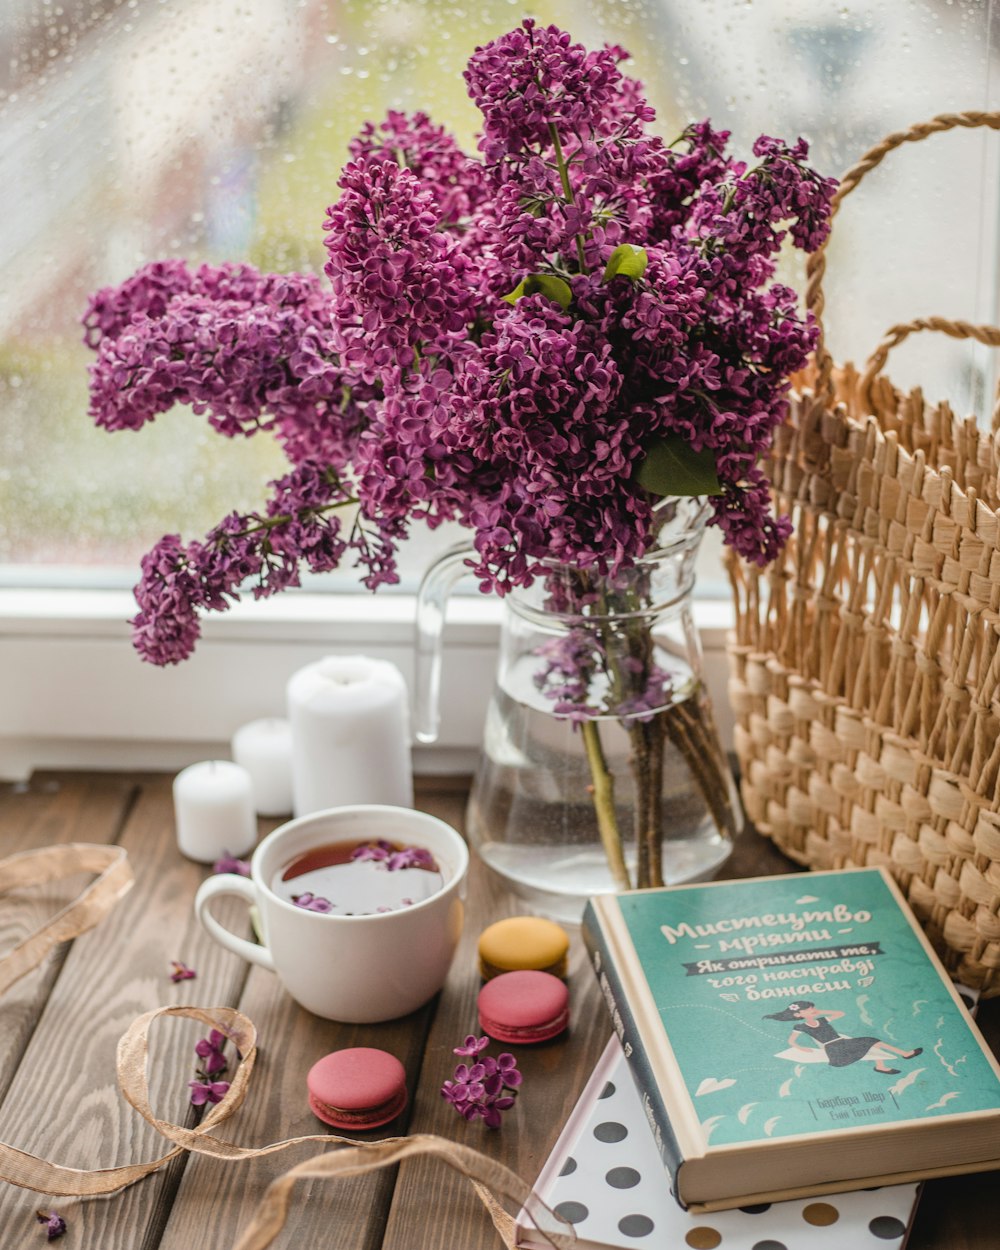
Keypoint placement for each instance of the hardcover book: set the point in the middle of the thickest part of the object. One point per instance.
(793, 1036)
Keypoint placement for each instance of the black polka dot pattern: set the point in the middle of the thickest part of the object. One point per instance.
(757, 1208)
(623, 1178)
(569, 1167)
(608, 1090)
(611, 1131)
(575, 1212)
(769, 1244)
(636, 1225)
(886, 1227)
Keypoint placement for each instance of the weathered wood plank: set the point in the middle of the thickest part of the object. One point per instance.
(45, 813)
(64, 1101)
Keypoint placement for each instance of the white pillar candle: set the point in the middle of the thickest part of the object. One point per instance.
(350, 734)
(213, 809)
(264, 749)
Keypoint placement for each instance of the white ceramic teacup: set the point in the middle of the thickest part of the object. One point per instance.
(357, 969)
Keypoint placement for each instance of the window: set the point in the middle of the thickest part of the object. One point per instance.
(215, 129)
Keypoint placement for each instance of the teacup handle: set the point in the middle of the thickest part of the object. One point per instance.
(230, 883)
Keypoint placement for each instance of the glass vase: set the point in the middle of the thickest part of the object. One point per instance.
(601, 768)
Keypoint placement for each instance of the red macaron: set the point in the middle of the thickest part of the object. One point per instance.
(523, 1007)
(357, 1088)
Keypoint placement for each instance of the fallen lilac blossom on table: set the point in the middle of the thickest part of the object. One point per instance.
(213, 1063)
(472, 1046)
(181, 972)
(207, 1091)
(487, 1088)
(229, 863)
(209, 1049)
(55, 1225)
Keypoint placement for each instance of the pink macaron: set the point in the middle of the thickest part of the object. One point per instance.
(523, 1007)
(358, 1088)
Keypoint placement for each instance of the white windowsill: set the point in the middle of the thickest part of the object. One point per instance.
(75, 694)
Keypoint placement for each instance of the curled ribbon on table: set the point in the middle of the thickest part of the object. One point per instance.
(352, 1158)
(89, 908)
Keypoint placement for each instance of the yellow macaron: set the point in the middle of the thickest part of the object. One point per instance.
(523, 943)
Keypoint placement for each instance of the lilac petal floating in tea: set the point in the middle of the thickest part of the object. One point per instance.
(312, 902)
(380, 850)
(412, 857)
(395, 857)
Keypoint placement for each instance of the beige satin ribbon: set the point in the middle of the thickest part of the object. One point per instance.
(351, 1159)
(86, 910)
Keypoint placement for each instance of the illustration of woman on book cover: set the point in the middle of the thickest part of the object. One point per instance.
(825, 1044)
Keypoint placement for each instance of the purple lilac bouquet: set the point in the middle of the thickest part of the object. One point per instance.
(548, 343)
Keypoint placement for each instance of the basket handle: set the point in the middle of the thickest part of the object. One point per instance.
(816, 267)
(989, 335)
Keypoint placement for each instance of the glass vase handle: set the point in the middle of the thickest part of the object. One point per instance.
(432, 602)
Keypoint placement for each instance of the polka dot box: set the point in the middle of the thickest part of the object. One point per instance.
(605, 1176)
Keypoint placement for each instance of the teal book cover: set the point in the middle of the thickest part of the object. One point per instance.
(790, 1008)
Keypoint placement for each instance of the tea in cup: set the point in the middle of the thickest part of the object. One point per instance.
(361, 909)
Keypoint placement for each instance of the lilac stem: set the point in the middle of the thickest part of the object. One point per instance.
(567, 190)
(604, 803)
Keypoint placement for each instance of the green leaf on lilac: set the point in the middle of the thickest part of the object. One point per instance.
(542, 284)
(626, 261)
(673, 467)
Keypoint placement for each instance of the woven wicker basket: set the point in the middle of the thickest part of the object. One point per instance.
(866, 660)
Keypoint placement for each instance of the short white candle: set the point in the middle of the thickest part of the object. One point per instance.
(264, 749)
(350, 734)
(213, 808)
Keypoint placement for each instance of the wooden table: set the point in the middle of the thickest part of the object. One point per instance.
(59, 1027)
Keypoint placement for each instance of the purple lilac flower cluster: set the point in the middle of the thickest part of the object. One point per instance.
(486, 1088)
(300, 527)
(205, 1088)
(254, 351)
(479, 355)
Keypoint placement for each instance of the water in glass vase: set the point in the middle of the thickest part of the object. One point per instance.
(601, 766)
(531, 812)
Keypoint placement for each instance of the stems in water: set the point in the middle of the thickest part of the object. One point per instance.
(604, 804)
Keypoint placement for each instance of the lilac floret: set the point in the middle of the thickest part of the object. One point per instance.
(55, 1225)
(385, 853)
(207, 1091)
(312, 902)
(230, 863)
